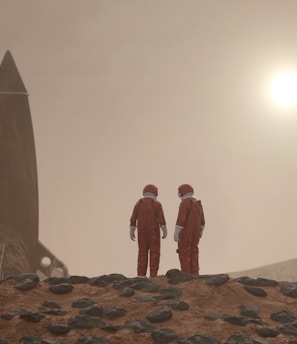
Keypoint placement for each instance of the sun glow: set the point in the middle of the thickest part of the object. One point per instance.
(284, 89)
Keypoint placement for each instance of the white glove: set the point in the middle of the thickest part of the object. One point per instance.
(132, 233)
(164, 231)
(176, 232)
(201, 230)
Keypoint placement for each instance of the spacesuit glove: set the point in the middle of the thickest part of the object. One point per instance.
(132, 233)
(176, 232)
(164, 231)
(201, 231)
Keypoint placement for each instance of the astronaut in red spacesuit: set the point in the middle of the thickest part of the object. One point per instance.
(148, 218)
(188, 230)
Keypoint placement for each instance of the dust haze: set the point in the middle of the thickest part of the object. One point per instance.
(129, 92)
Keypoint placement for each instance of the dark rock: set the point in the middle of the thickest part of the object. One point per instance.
(51, 304)
(84, 321)
(288, 329)
(50, 341)
(33, 317)
(62, 288)
(100, 281)
(239, 339)
(127, 292)
(82, 303)
(267, 332)
(78, 279)
(178, 305)
(109, 327)
(26, 284)
(255, 291)
(259, 282)
(159, 315)
(292, 341)
(117, 277)
(217, 279)
(176, 276)
(232, 319)
(249, 311)
(30, 339)
(59, 328)
(56, 280)
(212, 317)
(10, 314)
(96, 310)
(27, 276)
(260, 341)
(4, 341)
(115, 312)
(137, 283)
(171, 292)
(197, 339)
(52, 311)
(146, 298)
(92, 340)
(164, 335)
(139, 326)
(289, 289)
(283, 316)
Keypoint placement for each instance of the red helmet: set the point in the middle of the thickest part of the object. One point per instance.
(184, 189)
(151, 189)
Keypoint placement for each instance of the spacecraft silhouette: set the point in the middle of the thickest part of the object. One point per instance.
(20, 248)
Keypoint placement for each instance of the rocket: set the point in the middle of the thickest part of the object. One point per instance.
(19, 184)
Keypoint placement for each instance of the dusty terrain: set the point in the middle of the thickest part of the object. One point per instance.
(210, 305)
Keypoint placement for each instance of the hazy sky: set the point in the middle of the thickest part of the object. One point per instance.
(129, 92)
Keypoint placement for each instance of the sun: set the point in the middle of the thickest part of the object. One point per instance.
(284, 89)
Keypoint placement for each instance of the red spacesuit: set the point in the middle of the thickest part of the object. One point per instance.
(148, 217)
(188, 230)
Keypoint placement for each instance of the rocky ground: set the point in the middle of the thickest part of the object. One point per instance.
(175, 308)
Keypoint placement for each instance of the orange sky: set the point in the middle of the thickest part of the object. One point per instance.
(129, 92)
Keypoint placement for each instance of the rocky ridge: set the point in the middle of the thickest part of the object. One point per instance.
(175, 308)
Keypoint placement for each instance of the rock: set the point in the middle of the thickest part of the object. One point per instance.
(170, 292)
(59, 328)
(197, 339)
(115, 312)
(51, 304)
(288, 329)
(259, 282)
(239, 339)
(109, 327)
(178, 305)
(77, 279)
(52, 311)
(61, 288)
(126, 292)
(33, 317)
(289, 289)
(267, 332)
(139, 326)
(83, 302)
(30, 339)
(164, 335)
(255, 291)
(249, 311)
(92, 340)
(217, 280)
(100, 281)
(232, 319)
(4, 341)
(10, 314)
(137, 283)
(96, 310)
(283, 316)
(176, 276)
(159, 315)
(146, 298)
(84, 321)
